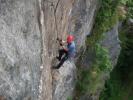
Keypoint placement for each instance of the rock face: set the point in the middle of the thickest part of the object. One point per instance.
(64, 81)
(28, 32)
(112, 43)
(60, 18)
(20, 49)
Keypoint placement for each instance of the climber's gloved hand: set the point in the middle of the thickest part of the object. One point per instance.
(61, 44)
(60, 41)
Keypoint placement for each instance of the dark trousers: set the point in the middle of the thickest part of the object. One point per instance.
(63, 56)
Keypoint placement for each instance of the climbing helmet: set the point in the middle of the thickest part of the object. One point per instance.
(70, 38)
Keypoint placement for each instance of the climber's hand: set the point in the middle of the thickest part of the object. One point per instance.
(61, 44)
(58, 39)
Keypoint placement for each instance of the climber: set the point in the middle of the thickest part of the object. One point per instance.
(66, 53)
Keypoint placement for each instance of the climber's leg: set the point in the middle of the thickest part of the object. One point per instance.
(62, 61)
(61, 53)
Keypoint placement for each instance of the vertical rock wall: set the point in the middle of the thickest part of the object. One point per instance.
(63, 17)
(20, 50)
(112, 43)
(28, 32)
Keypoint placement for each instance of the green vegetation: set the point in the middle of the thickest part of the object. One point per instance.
(106, 18)
(102, 58)
(69, 98)
(129, 5)
(92, 79)
(89, 80)
(120, 85)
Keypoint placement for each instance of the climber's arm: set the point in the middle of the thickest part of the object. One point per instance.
(62, 44)
(64, 48)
